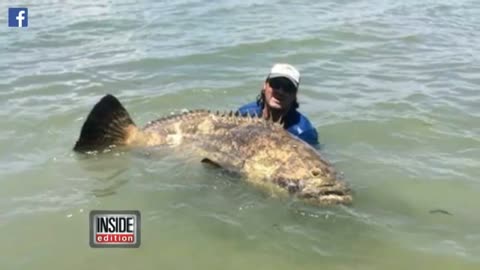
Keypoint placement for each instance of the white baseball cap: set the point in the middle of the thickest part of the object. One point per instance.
(287, 71)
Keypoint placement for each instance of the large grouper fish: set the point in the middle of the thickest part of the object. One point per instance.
(259, 150)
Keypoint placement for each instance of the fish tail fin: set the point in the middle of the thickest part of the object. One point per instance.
(107, 125)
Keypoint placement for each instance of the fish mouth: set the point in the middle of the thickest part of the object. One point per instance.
(318, 191)
(328, 194)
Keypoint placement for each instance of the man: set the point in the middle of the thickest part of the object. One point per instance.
(278, 101)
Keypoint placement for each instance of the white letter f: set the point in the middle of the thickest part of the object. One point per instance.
(20, 18)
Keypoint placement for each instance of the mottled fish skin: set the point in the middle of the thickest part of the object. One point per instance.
(263, 151)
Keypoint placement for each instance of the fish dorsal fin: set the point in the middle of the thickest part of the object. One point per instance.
(281, 121)
(189, 114)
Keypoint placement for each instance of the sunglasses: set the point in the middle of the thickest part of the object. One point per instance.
(283, 83)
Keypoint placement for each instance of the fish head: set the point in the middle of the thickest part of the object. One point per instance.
(314, 180)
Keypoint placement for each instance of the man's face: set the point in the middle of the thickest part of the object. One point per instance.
(280, 93)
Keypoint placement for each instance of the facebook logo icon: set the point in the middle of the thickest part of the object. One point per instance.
(17, 17)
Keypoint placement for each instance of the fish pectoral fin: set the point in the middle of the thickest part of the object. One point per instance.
(220, 158)
(211, 163)
(225, 167)
(226, 163)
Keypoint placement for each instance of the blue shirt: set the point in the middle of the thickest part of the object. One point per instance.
(295, 122)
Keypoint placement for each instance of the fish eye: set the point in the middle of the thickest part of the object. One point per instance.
(316, 172)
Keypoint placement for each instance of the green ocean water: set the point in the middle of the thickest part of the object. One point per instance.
(391, 86)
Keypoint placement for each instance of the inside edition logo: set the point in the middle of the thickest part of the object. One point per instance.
(114, 228)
